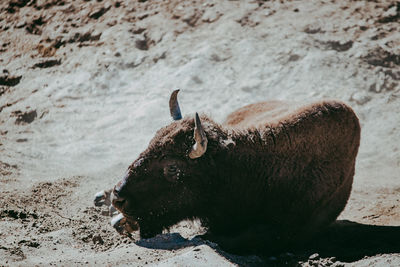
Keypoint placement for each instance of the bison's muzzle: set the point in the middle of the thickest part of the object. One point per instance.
(118, 194)
(117, 201)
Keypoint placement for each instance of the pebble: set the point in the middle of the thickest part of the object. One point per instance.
(360, 98)
(210, 15)
(390, 12)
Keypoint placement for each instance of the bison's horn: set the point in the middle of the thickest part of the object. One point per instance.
(174, 106)
(200, 137)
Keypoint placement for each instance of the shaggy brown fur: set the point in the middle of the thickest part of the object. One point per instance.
(272, 175)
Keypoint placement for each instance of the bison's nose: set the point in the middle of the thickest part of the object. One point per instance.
(116, 199)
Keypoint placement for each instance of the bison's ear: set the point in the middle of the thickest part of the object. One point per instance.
(200, 137)
(174, 106)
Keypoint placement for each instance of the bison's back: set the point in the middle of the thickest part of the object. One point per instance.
(254, 115)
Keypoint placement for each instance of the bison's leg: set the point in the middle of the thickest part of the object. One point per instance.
(328, 210)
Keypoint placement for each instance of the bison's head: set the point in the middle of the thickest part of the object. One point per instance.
(159, 188)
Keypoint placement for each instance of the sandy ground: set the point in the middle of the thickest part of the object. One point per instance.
(84, 85)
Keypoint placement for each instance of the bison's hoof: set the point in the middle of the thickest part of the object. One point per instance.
(121, 224)
(102, 198)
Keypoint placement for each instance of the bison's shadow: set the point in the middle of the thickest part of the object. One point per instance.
(351, 241)
(169, 241)
(345, 240)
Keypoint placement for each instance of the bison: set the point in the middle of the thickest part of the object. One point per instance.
(272, 175)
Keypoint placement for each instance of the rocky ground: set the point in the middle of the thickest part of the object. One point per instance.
(84, 85)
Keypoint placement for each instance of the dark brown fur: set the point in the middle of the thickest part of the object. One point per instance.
(270, 177)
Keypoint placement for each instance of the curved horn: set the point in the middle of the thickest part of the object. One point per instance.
(200, 137)
(174, 106)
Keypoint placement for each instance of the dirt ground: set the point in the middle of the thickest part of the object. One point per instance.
(84, 86)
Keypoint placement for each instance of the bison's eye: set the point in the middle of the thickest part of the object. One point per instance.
(171, 172)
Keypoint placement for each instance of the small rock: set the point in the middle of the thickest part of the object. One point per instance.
(47, 63)
(10, 80)
(269, 13)
(338, 46)
(34, 26)
(46, 51)
(196, 79)
(21, 24)
(383, 58)
(105, 213)
(137, 30)
(86, 37)
(191, 17)
(143, 16)
(3, 89)
(294, 57)
(210, 16)
(390, 12)
(314, 256)
(26, 117)
(162, 56)
(144, 44)
(100, 12)
(360, 98)
(98, 240)
(372, 88)
(311, 29)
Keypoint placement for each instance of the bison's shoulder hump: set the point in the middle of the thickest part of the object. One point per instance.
(329, 112)
(321, 126)
(274, 112)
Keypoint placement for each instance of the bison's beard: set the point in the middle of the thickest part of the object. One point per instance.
(152, 224)
(155, 217)
(148, 226)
